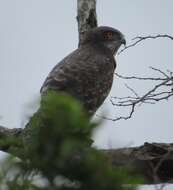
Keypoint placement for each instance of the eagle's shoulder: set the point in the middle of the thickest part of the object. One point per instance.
(84, 61)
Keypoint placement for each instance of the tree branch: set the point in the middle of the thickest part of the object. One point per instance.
(86, 17)
(9, 139)
(153, 161)
(9, 132)
(155, 94)
(139, 39)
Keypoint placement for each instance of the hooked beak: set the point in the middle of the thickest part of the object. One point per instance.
(123, 41)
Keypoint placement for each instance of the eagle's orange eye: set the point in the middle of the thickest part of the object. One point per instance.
(108, 35)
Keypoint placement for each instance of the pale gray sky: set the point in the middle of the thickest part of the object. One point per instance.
(35, 35)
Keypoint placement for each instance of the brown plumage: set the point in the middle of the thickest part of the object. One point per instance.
(87, 73)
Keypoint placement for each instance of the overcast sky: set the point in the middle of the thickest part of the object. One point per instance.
(37, 34)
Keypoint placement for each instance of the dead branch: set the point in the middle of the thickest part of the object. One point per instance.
(139, 39)
(154, 161)
(155, 94)
(86, 17)
(9, 132)
(6, 136)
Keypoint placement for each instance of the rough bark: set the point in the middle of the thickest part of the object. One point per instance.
(153, 161)
(7, 138)
(86, 17)
(9, 132)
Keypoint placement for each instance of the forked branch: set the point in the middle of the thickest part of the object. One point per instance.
(162, 90)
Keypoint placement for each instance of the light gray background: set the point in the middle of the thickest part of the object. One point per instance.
(36, 34)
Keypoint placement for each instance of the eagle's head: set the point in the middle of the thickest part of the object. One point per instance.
(105, 36)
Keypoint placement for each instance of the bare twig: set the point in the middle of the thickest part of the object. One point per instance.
(121, 117)
(139, 39)
(138, 78)
(152, 96)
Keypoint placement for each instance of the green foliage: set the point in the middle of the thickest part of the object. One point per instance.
(57, 143)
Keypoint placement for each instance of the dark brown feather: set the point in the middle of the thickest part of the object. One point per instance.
(86, 74)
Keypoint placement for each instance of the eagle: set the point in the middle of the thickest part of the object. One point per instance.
(87, 73)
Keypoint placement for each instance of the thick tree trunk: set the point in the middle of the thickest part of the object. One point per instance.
(152, 161)
(86, 16)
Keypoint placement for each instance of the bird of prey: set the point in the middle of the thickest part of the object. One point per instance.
(87, 73)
